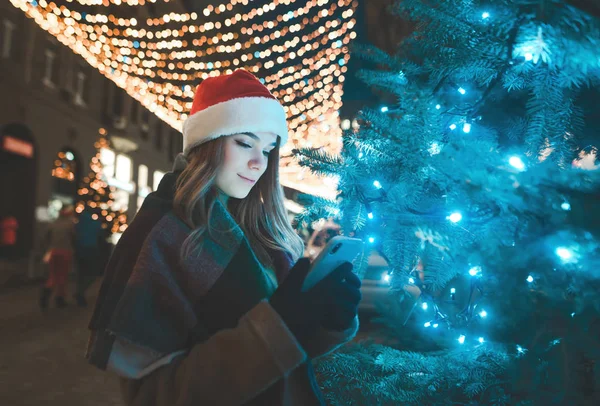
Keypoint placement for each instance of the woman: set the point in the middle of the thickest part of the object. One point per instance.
(59, 257)
(212, 311)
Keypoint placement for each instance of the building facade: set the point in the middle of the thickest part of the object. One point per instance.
(54, 110)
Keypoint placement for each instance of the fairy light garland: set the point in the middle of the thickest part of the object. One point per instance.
(298, 47)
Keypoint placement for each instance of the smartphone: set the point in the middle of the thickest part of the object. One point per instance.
(338, 250)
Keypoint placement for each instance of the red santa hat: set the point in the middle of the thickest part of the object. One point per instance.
(232, 104)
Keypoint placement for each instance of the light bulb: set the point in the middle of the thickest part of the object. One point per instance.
(424, 305)
(386, 277)
(467, 128)
(481, 340)
(370, 216)
(528, 56)
(384, 109)
(475, 271)
(483, 314)
(530, 279)
(411, 281)
(437, 106)
(485, 15)
(377, 184)
(453, 126)
(455, 217)
(516, 162)
(461, 90)
(564, 253)
(371, 240)
(435, 325)
(461, 339)
(565, 206)
(427, 324)
(434, 148)
(452, 291)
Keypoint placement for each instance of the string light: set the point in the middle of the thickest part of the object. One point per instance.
(455, 217)
(475, 271)
(530, 279)
(461, 339)
(453, 126)
(517, 163)
(467, 128)
(461, 90)
(384, 109)
(564, 253)
(565, 206)
(485, 15)
(425, 306)
(377, 184)
(483, 314)
(156, 59)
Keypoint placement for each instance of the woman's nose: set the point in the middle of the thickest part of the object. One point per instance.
(257, 162)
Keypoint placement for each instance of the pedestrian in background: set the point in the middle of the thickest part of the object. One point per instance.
(88, 253)
(59, 257)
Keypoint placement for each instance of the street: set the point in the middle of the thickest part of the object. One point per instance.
(42, 355)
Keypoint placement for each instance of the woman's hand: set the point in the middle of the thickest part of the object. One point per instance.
(332, 303)
(343, 300)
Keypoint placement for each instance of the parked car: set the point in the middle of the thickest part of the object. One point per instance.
(375, 283)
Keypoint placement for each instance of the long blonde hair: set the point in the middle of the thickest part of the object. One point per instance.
(261, 215)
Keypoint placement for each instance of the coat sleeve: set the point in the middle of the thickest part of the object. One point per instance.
(230, 368)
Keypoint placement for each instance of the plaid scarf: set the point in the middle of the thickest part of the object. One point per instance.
(153, 298)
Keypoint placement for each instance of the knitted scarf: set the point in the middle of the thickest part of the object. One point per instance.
(153, 298)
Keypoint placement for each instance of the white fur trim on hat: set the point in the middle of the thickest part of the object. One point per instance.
(235, 116)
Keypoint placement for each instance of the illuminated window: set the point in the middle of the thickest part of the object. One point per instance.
(123, 170)
(158, 175)
(143, 188)
(107, 157)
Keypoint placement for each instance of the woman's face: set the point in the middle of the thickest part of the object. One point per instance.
(246, 159)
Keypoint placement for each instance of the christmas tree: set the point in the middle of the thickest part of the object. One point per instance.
(96, 196)
(473, 185)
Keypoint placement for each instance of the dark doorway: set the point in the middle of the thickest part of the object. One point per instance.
(18, 160)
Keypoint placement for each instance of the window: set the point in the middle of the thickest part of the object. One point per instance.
(7, 38)
(80, 89)
(158, 175)
(158, 135)
(135, 111)
(118, 101)
(123, 169)
(145, 124)
(116, 169)
(143, 188)
(107, 157)
(50, 56)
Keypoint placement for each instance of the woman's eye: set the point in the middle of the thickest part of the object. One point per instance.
(243, 144)
(266, 153)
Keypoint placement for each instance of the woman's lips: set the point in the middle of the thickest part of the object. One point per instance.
(246, 179)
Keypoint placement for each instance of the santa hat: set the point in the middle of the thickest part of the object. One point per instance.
(232, 104)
